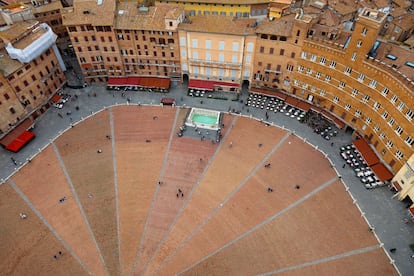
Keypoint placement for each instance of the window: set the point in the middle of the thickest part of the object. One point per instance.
(376, 128)
(401, 106)
(300, 68)
(327, 78)
(303, 55)
(261, 49)
(271, 50)
(348, 70)
(373, 84)
(249, 47)
(308, 71)
(389, 144)
(342, 84)
(409, 114)
(194, 43)
(322, 61)
(391, 121)
(399, 130)
(368, 120)
(355, 92)
(289, 67)
(384, 114)
(335, 99)
(6, 96)
(292, 55)
(358, 113)
(282, 52)
(322, 92)
(365, 98)
(399, 154)
(347, 107)
(208, 44)
(332, 64)
(318, 75)
(382, 135)
(377, 105)
(221, 45)
(12, 111)
(235, 46)
(312, 57)
(361, 77)
(354, 56)
(359, 43)
(394, 99)
(364, 31)
(182, 41)
(120, 37)
(234, 59)
(385, 91)
(72, 29)
(409, 140)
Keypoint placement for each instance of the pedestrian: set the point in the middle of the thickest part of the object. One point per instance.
(343, 166)
(332, 144)
(231, 144)
(393, 250)
(177, 195)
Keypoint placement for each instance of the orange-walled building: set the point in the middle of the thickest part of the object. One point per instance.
(373, 96)
(31, 72)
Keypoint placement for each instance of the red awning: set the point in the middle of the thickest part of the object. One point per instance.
(361, 145)
(370, 157)
(56, 98)
(132, 81)
(209, 85)
(291, 101)
(168, 101)
(396, 186)
(12, 135)
(304, 106)
(367, 153)
(339, 123)
(382, 172)
(20, 141)
(200, 84)
(411, 211)
(120, 81)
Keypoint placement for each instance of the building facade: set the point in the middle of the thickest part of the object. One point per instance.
(131, 41)
(218, 49)
(279, 43)
(32, 72)
(365, 93)
(403, 181)
(232, 8)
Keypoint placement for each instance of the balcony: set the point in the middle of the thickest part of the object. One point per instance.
(217, 64)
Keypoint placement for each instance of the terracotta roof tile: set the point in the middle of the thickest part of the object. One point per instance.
(280, 26)
(86, 12)
(219, 24)
(129, 17)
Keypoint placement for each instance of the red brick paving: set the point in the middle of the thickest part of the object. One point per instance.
(27, 246)
(289, 163)
(44, 183)
(92, 176)
(183, 169)
(324, 225)
(138, 168)
(230, 167)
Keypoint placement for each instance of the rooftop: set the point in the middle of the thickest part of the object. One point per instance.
(88, 12)
(219, 24)
(17, 31)
(221, 2)
(397, 57)
(7, 64)
(129, 17)
(52, 6)
(281, 26)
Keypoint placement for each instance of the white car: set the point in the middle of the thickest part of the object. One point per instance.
(58, 105)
